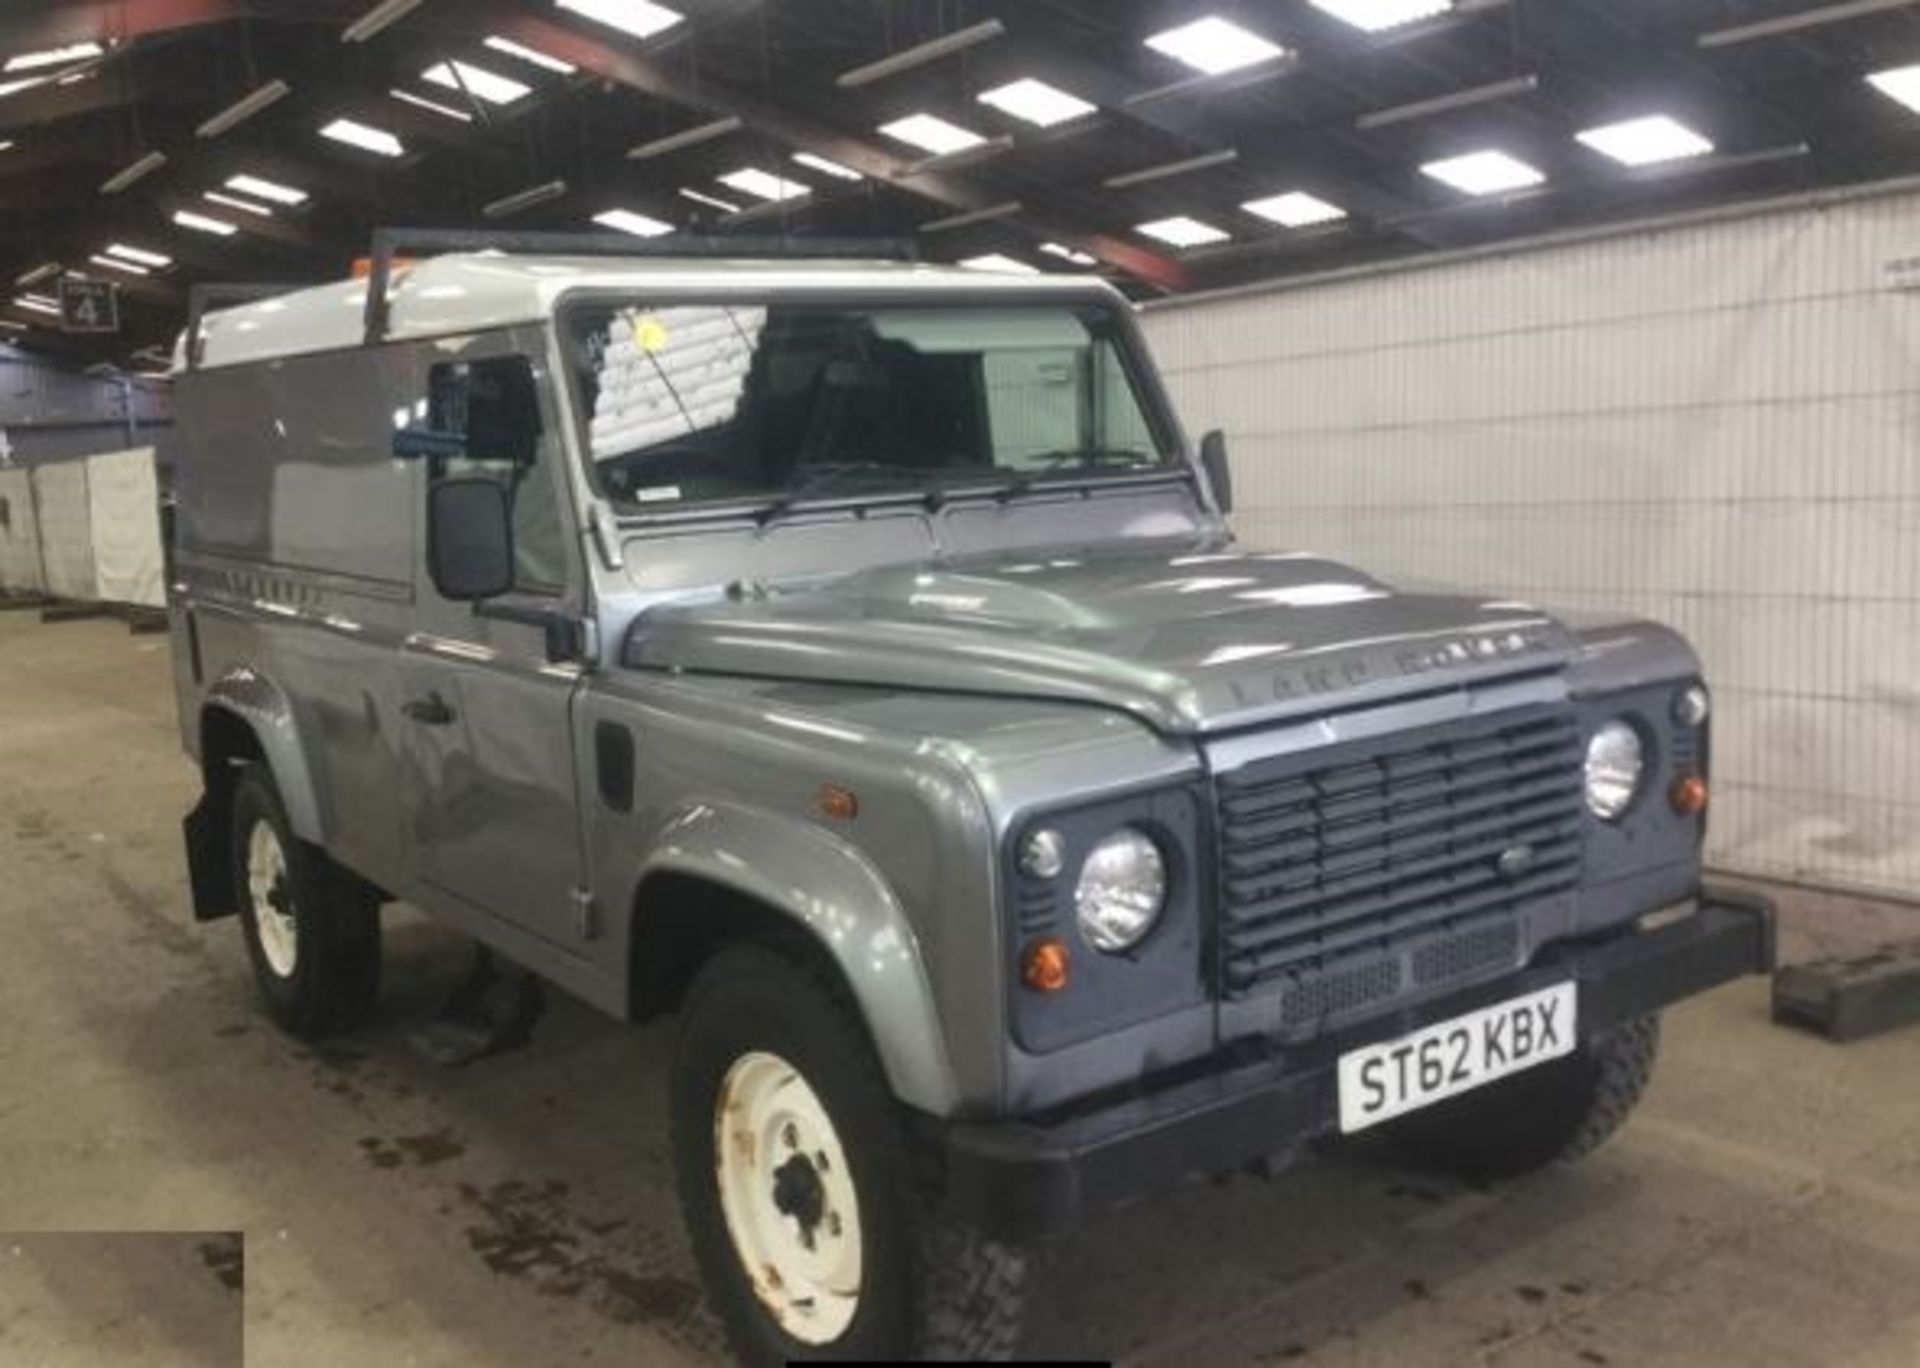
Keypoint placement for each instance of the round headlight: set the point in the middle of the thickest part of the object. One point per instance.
(1123, 886)
(1615, 763)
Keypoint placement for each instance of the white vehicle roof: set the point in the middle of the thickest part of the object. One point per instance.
(465, 292)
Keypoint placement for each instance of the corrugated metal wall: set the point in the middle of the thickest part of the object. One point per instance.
(1715, 424)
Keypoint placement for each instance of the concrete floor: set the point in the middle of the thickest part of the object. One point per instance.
(1763, 1209)
(109, 1300)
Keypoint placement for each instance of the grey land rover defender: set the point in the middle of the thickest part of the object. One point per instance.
(852, 657)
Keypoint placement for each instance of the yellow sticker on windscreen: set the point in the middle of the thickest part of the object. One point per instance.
(650, 334)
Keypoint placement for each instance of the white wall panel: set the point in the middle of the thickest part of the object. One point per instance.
(66, 533)
(1712, 424)
(19, 535)
(124, 512)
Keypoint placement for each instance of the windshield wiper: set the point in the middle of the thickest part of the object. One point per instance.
(823, 479)
(1088, 458)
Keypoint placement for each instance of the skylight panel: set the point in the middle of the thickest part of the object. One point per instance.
(627, 221)
(1214, 45)
(532, 55)
(261, 188)
(235, 202)
(114, 263)
(201, 223)
(422, 102)
(827, 167)
(1183, 231)
(483, 84)
(364, 136)
(1066, 253)
(999, 263)
(1484, 173)
(764, 185)
(73, 52)
(1899, 83)
(1036, 102)
(1376, 16)
(641, 18)
(1295, 209)
(931, 133)
(139, 254)
(1646, 142)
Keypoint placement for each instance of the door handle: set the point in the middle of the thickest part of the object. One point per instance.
(431, 711)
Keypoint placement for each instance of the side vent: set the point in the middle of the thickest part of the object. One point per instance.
(613, 763)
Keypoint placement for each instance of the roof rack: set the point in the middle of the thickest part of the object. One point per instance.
(201, 298)
(391, 242)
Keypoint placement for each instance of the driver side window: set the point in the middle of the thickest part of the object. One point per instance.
(494, 404)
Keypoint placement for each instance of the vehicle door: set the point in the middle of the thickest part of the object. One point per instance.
(493, 809)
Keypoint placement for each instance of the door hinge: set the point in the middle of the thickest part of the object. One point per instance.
(586, 917)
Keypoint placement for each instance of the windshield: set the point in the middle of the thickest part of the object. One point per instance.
(700, 403)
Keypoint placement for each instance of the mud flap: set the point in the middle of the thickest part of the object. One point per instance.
(209, 859)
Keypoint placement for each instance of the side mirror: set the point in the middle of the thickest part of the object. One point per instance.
(1213, 461)
(470, 538)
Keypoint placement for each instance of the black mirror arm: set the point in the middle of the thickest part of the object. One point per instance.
(566, 635)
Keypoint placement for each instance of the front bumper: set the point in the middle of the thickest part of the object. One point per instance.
(1036, 1179)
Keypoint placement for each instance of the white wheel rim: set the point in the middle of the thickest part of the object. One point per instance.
(787, 1194)
(272, 899)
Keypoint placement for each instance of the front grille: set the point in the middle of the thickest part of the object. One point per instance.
(1350, 876)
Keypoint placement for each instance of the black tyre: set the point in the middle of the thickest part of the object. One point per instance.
(312, 928)
(814, 1236)
(1555, 1113)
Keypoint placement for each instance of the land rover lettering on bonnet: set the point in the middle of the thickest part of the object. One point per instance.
(853, 659)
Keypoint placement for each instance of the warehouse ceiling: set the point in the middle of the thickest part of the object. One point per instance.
(1172, 145)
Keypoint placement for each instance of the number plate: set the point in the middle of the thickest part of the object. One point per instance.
(1440, 1061)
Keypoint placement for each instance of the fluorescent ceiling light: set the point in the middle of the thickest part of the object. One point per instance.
(235, 202)
(826, 167)
(422, 102)
(1899, 83)
(481, 83)
(1377, 15)
(1213, 45)
(363, 136)
(200, 223)
(1165, 170)
(116, 264)
(37, 274)
(1036, 102)
(686, 137)
(932, 133)
(36, 304)
(921, 53)
(1000, 263)
(1066, 253)
(1643, 142)
(261, 188)
(1005, 209)
(381, 16)
(711, 201)
(1484, 173)
(127, 175)
(24, 83)
(75, 77)
(1183, 231)
(527, 54)
(626, 221)
(763, 184)
(641, 18)
(73, 52)
(7, 144)
(139, 254)
(1295, 209)
(245, 108)
(508, 205)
